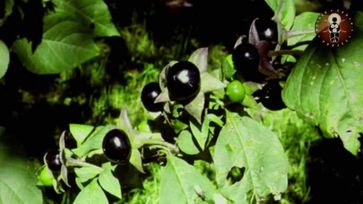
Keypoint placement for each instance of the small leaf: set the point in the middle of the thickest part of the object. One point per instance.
(200, 134)
(228, 69)
(200, 58)
(6, 11)
(210, 83)
(195, 107)
(5, 58)
(91, 194)
(136, 161)
(179, 182)
(80, 132)
(93, 142)
(244, 143)
(86, 173)
(186, 143)
(303, 22)
(109, 182)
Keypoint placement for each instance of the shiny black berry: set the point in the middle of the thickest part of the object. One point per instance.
(246, 60)
(183, 81)
(116, 146)
(271, 96)
(266, 29)
(52, 159)
(148, 95)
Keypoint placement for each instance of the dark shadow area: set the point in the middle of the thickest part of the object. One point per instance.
(334, 175)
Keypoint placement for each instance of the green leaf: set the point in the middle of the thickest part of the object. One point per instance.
(186, 143)
(91, 194)
(93, 142)
(210, 83)
(63, 47)
(326, 89)
(195, 107)
(245, 143)
(5, 58)
(86, 173)
(200, 133)
(287, 9)
(109, 182)
(80, 132)
(93, 14)
(18, 182)
(200, 58)
(182, 183)
(136, 160)
(68, 35)
(228, 69)
(303, 22)
(6, 11)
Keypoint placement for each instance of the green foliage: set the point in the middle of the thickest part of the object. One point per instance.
(286, 10)
(5, 57)
(244, 143)
(68, 35)
(325, 89)
(92, 194)
(18, 181)
(303, 22)
(182, 183)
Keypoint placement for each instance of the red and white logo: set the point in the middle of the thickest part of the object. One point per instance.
(334, 28)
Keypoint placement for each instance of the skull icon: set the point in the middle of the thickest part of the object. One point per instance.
(334, 28)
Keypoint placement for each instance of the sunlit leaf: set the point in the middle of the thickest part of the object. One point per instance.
(91, 194)
(245, 143)
(68, 36)
(93, 142)
(195, 107)
(287, 9)
(200, 58)
(86, 173)
(18, 182)
(80, 132)
(182, 183)
(325, 88)
(186, 143)
(109, 182)
(304, 22)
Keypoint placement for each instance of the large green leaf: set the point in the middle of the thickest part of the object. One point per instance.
(68, 35)
(182, 183)
(91, 194)
(326, 88)
(245, 143)
(18, 182)
(5, 58)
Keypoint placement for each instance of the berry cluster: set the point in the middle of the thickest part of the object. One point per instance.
(253, 62)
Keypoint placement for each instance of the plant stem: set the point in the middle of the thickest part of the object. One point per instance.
(76, 162)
